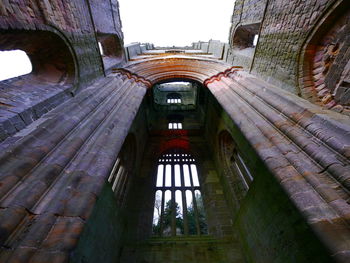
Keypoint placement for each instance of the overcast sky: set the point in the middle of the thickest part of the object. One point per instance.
(175, 22)
(161, 22)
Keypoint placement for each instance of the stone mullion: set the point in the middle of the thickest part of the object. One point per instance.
(184, 201)
(194, 200)
(121, 193)
(120, 182)
(117, 178)
(163, 200)
(173, 201)
(114, 170)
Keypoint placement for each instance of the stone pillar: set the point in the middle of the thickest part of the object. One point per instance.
(304, 147)
(53, 171)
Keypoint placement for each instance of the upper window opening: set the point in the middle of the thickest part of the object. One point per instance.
(178, 206)
(111, 49)
(173, 98)
(175, 126)
(234, 168)
(179, 95)
(173, 101)
(123, 169)
(246, 36)
(14, 63)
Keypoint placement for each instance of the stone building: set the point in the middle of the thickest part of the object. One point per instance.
(243, 148)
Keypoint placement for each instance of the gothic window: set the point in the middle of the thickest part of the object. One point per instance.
(236, 172)
(122, 170)
(178, 206)
(175, 126)
(237, 164)
(118, 179)
(14, 63)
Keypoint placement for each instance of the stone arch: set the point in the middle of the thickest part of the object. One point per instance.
(324, 71)
(51, 58)
(177, 68)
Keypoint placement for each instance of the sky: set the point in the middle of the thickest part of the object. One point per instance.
(175, 22)
(14, 63)
(161, 22)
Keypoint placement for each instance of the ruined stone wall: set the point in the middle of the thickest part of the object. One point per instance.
(72, 18)
(247, 12)
(189, 250)
(284, 30)
(60, 38)
(302, 47)
(220, 245)
(105, 232)
(269, 226)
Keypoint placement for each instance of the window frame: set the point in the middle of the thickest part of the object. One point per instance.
(178, 157)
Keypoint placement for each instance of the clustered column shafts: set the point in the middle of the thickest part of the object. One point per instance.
(66, 159)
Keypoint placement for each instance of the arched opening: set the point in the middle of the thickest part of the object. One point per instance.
(243, 42)
(176, 93)
(111, 50)
(50, 56)
(123, 170)
(324, 65)
(49, 83)
(246, 36)
(236, 173)
(176, 101)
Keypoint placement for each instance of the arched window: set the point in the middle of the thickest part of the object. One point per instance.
(178, 206)
(235, 170)
(123, 169)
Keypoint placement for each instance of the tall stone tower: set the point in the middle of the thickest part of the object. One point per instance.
(215, 152)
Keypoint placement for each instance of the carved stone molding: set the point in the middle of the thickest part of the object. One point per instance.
(307, 150)
(133, 76)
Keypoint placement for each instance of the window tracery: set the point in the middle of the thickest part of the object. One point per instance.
(178, 206)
